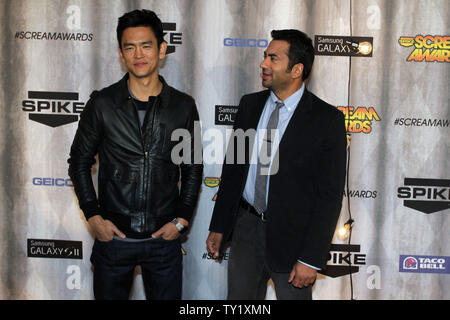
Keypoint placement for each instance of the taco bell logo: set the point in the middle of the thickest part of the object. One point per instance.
(424, 264)
(410, 263)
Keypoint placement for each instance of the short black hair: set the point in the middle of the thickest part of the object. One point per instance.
(301, 49)
(140, 18)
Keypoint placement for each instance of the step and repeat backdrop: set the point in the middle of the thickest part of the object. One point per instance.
(384, 64)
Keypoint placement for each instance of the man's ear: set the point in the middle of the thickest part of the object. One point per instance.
(297, 71)
(162, 50)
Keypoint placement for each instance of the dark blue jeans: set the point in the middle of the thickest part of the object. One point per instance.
(114, 263)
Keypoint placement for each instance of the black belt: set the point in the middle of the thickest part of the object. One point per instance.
(248, 207)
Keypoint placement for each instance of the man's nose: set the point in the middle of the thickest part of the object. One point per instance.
(138, 53)
(263, 64)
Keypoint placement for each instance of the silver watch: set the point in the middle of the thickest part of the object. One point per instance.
(179, 226)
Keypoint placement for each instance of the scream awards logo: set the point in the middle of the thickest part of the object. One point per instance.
(427, 48)
(359, 119)
(366, 194)
(425, 195)
(53, 109)
(343, 46)
(63, 249)
(343, 259)
(73, 24)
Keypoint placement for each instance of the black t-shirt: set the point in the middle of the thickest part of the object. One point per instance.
(143, 107)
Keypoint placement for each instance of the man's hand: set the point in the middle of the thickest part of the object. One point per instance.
(213, 243)
(169, 231)
(302, 275)
(104, 230)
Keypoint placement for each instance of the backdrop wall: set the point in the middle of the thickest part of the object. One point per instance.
(396, 99)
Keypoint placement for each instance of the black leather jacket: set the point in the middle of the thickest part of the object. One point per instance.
(138, 183)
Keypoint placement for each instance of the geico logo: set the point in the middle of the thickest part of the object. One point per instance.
(239, 42)
(53, 106)
(424, 193)
(57, 182)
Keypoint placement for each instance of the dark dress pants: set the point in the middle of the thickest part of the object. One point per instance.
(248, 272)
(114, 263)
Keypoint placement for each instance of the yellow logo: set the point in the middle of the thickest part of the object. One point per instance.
(427, 48)
(212, 182)
(406, 41)
(359, 119)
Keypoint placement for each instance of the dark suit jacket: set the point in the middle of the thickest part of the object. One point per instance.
(305, 196)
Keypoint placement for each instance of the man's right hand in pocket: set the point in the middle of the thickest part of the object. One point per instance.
(104, 230)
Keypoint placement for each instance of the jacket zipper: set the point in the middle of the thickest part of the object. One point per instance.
(142, 196)
(146, 176)
(144, 189)
(153, 111)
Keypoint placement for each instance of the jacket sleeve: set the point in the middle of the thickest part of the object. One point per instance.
(330, 172)
(82, 157)
(191, 167)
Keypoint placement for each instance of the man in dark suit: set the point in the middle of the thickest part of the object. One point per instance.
(280, 196)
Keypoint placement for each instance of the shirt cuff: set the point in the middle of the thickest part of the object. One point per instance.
(315, 268)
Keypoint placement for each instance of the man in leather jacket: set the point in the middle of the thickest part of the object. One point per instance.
(145, 199)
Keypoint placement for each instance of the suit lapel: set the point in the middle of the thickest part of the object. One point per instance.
(298, 123)
(257, 109)
(294, 133)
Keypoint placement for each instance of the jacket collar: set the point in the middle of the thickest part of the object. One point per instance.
(304, 105)
(124, 95)
(305, 102)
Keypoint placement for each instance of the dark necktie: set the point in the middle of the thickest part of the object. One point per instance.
(262, 169)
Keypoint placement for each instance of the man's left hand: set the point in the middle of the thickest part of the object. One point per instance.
(302, 276)
(169, 231)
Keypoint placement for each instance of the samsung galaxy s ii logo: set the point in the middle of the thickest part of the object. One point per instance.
(53, 109)
(325, 45)
(48, 248)
(225, 115)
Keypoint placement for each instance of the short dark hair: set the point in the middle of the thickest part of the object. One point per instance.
(140, 18)
(301, 49)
